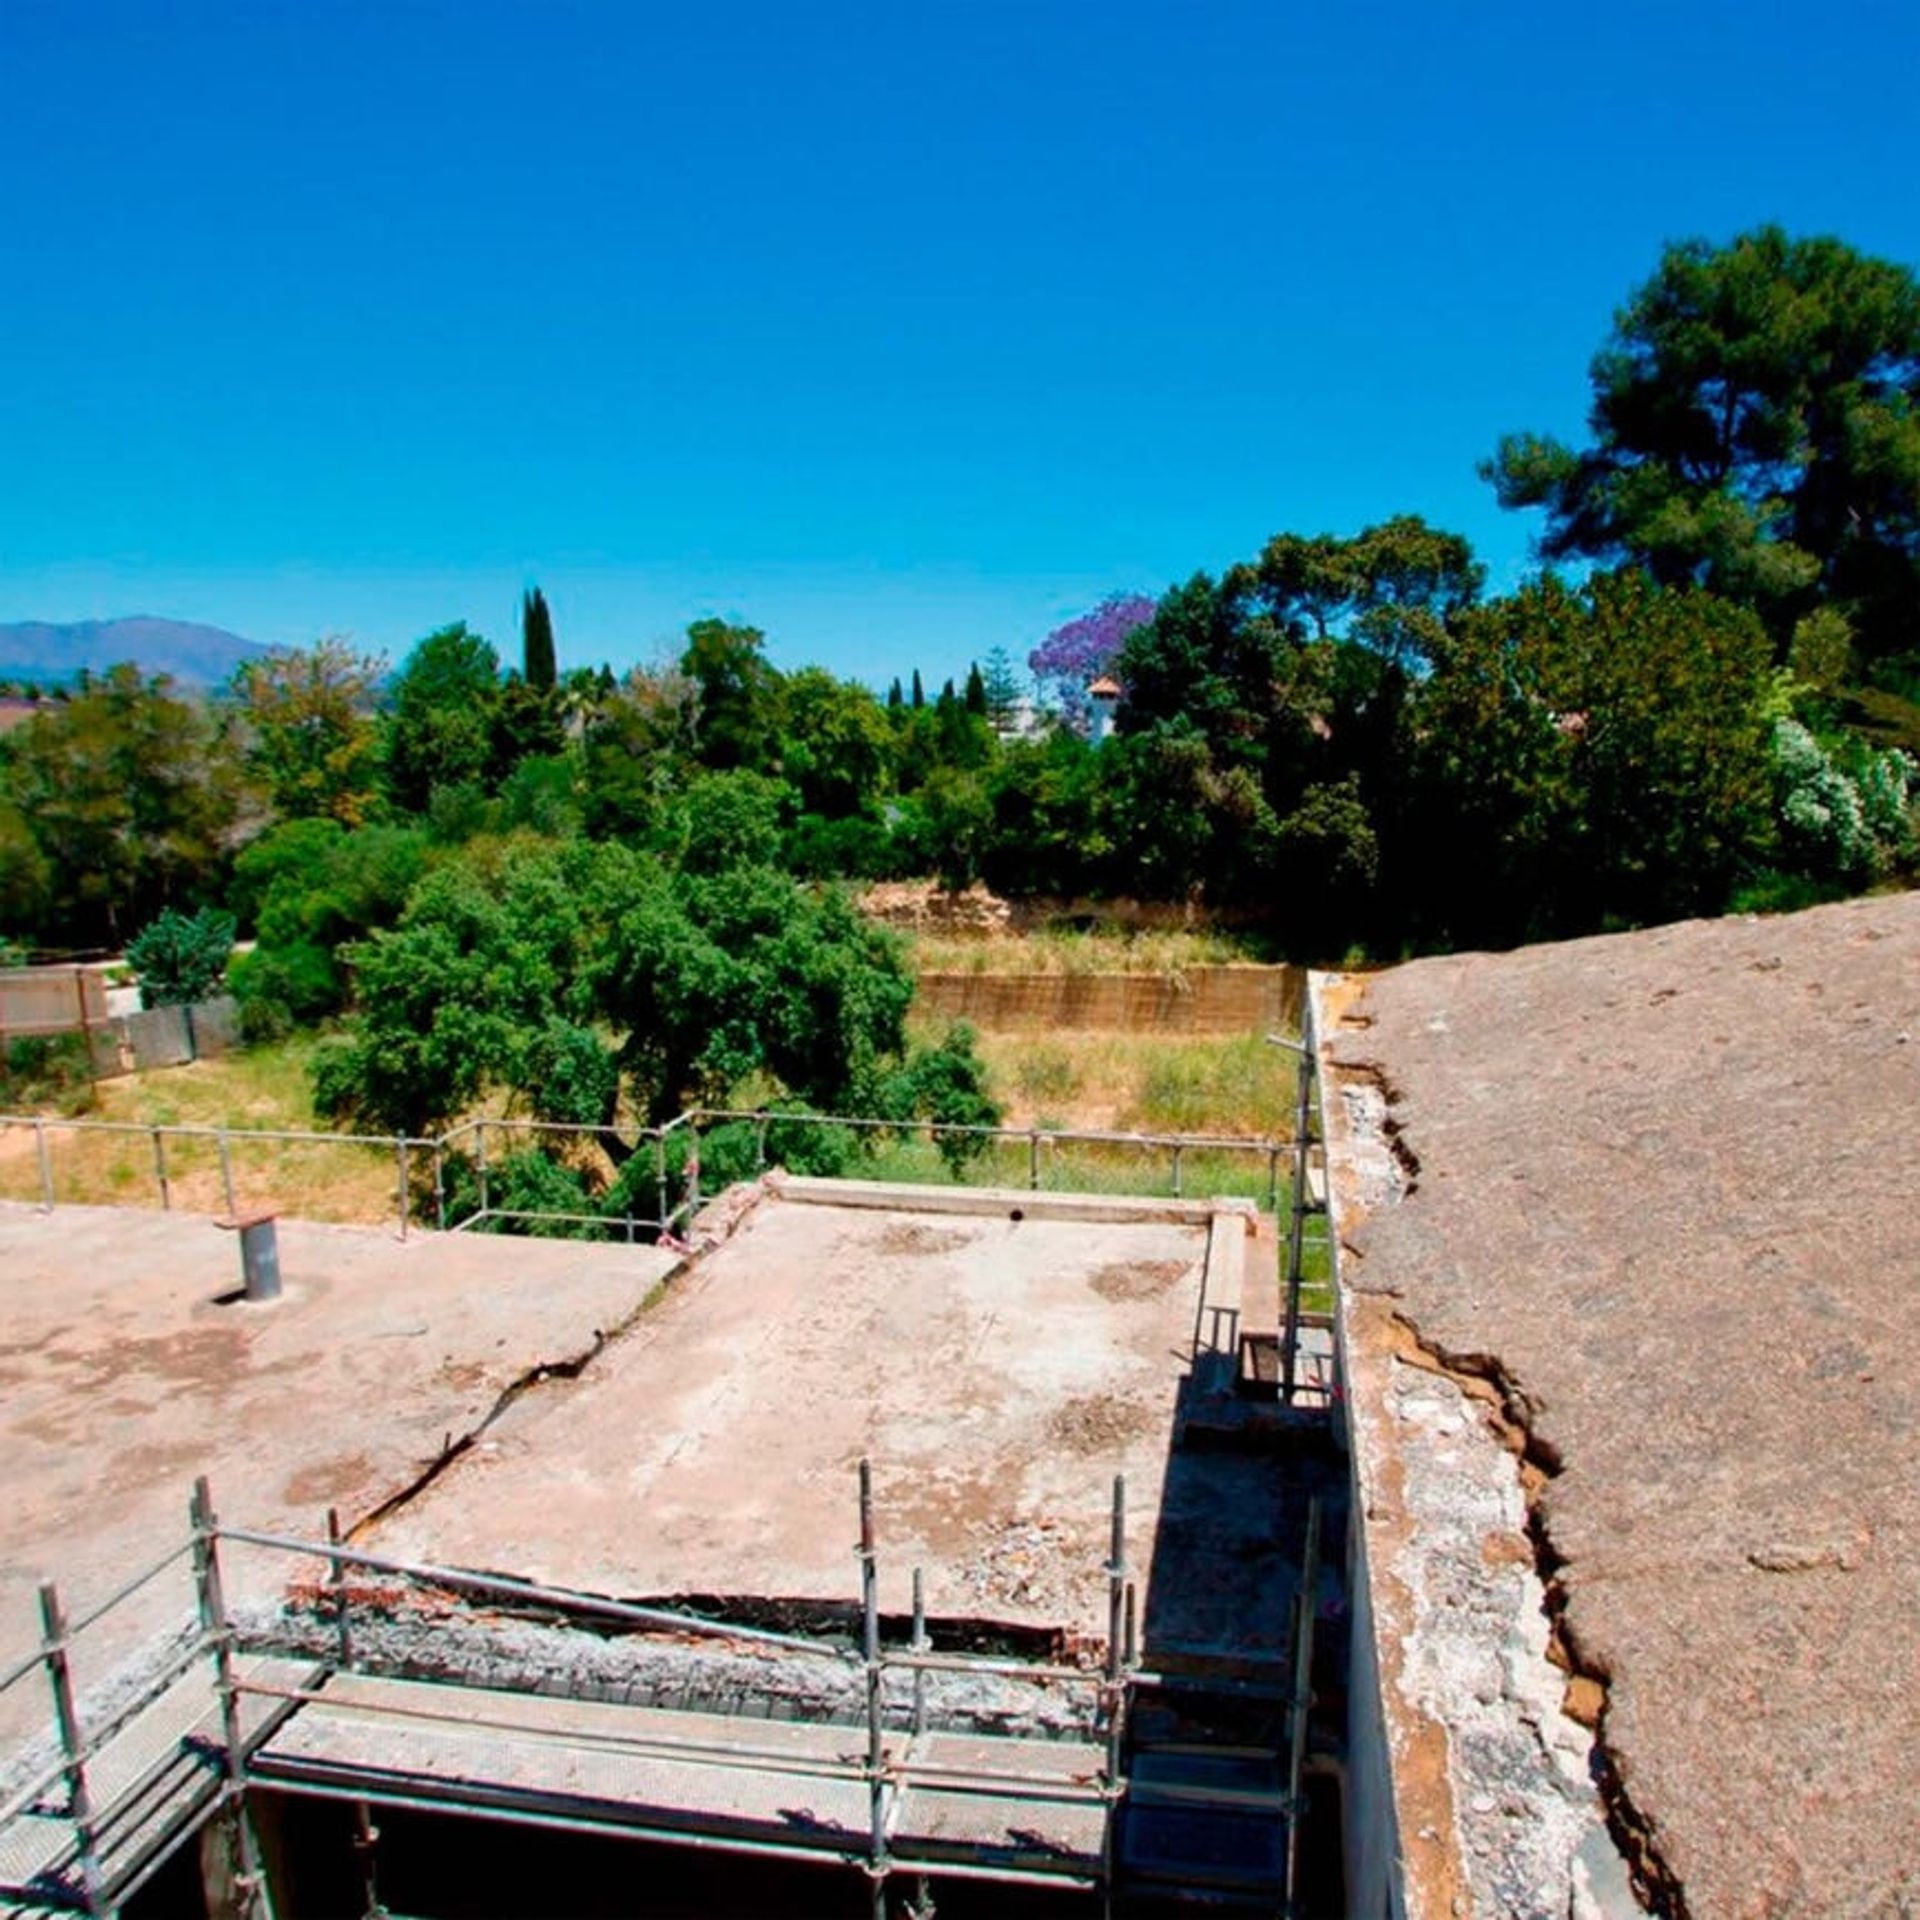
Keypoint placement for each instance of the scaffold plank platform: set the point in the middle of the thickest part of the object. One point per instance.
(1011, 1805)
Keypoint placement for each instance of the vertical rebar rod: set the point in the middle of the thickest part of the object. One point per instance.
(1130, 1643)
(160, 1167)
(219, 1632)
(366, 1841)
(693, 1169)
(226, 1173)
(480, 1162)
(1302, 1702)
(921, 1644)
(876, 1732)
(1119, 1633)
(760, 1143)
(401, 1181)
(1297, 1232)
(73, 1751)
(1176, 1170)
(1033, 1159)
(440, 1185)
(660, 1178)
(46, 1164)
(337, 1580)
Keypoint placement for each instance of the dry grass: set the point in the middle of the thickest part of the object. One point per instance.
(263, 1088)
(1146, 1082)
(1066, 950)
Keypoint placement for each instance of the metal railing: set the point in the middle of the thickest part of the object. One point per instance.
(463, 1180)
(62, 1788)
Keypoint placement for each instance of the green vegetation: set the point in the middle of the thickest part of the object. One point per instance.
(181, 958)
(592, 898)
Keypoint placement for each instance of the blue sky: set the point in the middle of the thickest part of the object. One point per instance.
(901, 331)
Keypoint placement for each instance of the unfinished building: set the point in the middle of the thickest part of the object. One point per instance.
(898, 1550)
(903, 1550)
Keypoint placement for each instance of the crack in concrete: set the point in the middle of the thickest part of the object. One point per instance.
(1513, 1417)
(569, 1368)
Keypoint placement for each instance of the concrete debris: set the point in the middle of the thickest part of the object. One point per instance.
(1529, 1825)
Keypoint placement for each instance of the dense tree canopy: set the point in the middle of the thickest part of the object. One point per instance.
(1756, 430)
(312, 736)
(1339, 735)
(127, 792)
(444, 702)
(604, 990)
(1590, 757)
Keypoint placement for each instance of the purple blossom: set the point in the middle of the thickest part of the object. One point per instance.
(1085, 648)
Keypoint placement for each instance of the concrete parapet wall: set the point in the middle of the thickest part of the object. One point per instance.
(1200, 1000)
(51, 999)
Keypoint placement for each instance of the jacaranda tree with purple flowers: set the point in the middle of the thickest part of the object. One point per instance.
(1085, 648)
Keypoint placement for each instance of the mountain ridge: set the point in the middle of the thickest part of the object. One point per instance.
(53, 652)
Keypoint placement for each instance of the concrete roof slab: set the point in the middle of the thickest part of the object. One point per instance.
(1658, 1188)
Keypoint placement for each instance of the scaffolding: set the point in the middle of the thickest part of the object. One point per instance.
(897, 1792)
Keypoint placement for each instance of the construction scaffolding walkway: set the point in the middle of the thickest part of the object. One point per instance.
(302, 1701)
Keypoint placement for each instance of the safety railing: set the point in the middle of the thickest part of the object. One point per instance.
(56, 1782)
(471, 1178)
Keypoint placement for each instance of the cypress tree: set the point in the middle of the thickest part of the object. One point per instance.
(976, 696)
(895, 698)
(536, 637)
(919, 692)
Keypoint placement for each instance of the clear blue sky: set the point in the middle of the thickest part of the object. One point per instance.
(900, 330)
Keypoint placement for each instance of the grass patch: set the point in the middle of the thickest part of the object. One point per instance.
(1214, 1086)
(1075, 950)
(1137, 1082)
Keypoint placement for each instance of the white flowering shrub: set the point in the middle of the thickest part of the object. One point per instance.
(1845, 815)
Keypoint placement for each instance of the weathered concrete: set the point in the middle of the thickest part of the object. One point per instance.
(121, 1379)
(998, 1373)
(1649, 1200)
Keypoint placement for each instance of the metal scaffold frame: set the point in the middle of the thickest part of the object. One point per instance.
(113, 1843)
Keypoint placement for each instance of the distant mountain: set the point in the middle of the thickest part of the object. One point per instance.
(50, 653)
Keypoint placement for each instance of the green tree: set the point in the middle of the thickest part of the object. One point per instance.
(538, 666)
(1393, 587)
(639, 742)
(129, 793)
(1588, 757)
(441, 724)
(312, 739)
(1048, 833)
(181, 958)
(596, 985)
(307, 889)
(999, 687)
(26, 876)
(738, 692)
(1756, 430)
(836, 746)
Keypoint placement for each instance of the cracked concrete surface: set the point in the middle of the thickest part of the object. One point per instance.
(121, 1379)
(1665, 1184)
